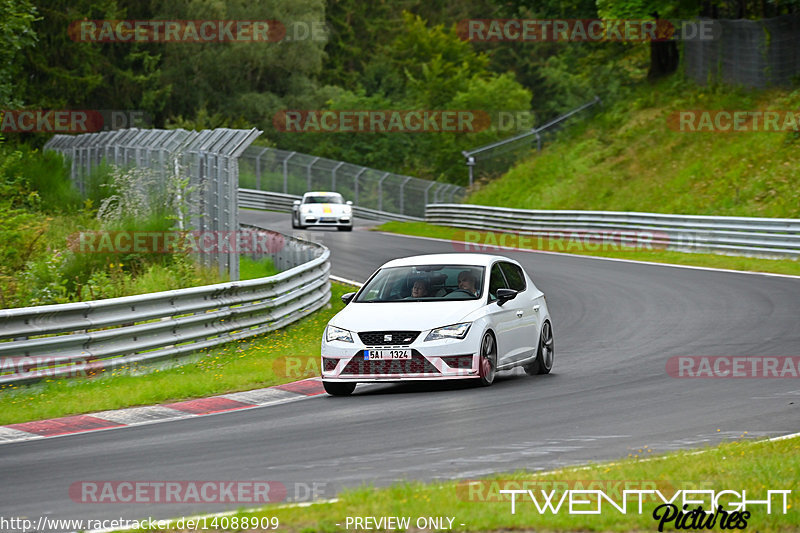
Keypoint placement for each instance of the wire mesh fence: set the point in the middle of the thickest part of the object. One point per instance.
(270, 169)
(753, 53)
(494, 159)
(207, 160)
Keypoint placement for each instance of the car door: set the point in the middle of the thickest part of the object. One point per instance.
(526, 332)
(505, 321)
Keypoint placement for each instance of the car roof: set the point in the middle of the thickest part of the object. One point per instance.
(449, 259)
(322, 193)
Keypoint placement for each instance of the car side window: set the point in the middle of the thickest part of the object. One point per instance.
(496, 281)
(514, 276)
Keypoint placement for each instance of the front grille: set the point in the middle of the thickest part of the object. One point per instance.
(458, 361)
(329, 364)
(395, 367)
(378, 338)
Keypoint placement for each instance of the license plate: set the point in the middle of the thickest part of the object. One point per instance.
(386, 354)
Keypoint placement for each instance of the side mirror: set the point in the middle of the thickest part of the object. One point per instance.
(296, 203)
(347, 297)
(348, 202)
(504, 295)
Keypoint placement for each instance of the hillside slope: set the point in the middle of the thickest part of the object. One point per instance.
(627, 158)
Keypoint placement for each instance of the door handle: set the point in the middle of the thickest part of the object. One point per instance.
(536, 307)
(519, 314)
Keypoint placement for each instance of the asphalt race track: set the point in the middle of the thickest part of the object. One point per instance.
(615, 324)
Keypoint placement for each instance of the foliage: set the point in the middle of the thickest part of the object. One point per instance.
(16, 34)
(423, 68)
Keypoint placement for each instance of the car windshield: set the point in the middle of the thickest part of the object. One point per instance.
(323, 200)
(424, 283)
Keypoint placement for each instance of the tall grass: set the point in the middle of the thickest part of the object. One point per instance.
(629, 159)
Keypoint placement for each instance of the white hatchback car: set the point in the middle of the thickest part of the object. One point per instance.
(322, 209)
(434, 317)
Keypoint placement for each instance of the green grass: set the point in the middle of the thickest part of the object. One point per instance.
(281, 356)
(252, 268)
(754, 264)
(754, 466)
(628, 159)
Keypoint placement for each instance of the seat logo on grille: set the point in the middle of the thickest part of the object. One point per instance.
(387, 338)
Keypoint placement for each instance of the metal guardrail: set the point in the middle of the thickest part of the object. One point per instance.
(773, 237)
(271, 169)
(91, 337)
(275, 201)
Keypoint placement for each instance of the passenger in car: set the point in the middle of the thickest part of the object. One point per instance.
(420, 289)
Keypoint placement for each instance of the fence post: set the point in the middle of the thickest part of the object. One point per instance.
(355, 183)
(258, 168)
(333, 175)
(402, 195)
(286, 173)
(308, 172)
(426, 191)
(380, 191)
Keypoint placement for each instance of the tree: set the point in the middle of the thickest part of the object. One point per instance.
(16, 34)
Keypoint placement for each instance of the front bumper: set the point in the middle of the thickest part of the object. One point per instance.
(434, 360)
(328, 221)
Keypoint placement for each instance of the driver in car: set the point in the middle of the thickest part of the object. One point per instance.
(467, 282)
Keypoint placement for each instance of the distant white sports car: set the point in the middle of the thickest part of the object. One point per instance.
(445, 316)
(322, 209)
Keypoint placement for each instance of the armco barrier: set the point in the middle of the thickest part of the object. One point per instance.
(771, 237)
(90, 337)
(275, 201)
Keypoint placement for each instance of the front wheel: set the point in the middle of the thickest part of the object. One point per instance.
(545, 354)
(339, 389)
(344, 228)
(487, 363)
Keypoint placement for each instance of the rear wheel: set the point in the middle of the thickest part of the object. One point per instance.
(545, 354)
(487, 363)
(339, 389)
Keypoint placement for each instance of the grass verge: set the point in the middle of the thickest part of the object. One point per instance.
(632, 157)
(494, 241)
(277, 357)
(745, 465)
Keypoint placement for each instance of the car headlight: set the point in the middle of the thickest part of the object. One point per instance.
(456, 331)
(332, 333)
